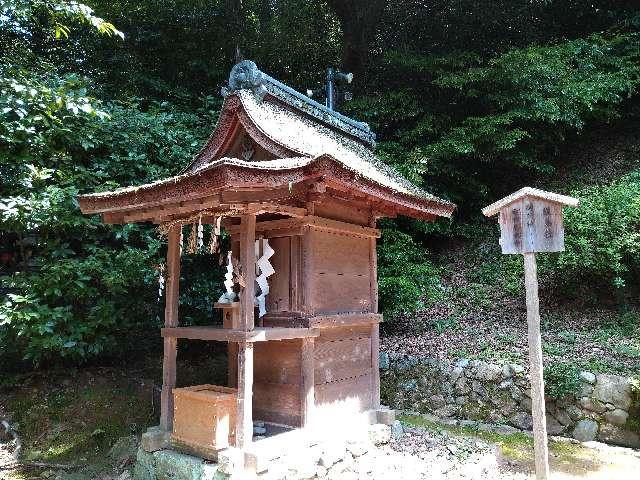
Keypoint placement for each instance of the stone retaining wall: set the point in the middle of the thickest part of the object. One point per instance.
(604, 409)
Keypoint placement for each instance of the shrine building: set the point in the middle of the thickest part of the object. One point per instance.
(299, 190)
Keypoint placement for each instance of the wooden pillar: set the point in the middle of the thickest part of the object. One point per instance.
(375, 328)
(231, 319)
(373, 274)
(244, 421)
(170, 320)
(535, 360)
(232, 347)
(307, 385)
(375, 365)
(248, 262)
(308, 271)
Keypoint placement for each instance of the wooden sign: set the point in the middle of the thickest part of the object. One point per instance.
(531, 221)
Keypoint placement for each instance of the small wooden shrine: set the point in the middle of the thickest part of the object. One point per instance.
(299, 191)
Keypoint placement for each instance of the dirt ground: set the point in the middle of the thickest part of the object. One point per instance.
(455, 453)
(422, 452)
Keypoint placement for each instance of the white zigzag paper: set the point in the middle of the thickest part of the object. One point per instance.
(266, 269)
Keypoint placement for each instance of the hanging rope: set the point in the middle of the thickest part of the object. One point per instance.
(192, 245)
(163, 229)
(214, 242)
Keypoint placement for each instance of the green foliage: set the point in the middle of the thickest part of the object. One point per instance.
(407, 279)
(469, 113)
(508, 113)
(44, 324)
(602, 236)
(561, 379)
(558, 86)
(57, 14)
(67, 277)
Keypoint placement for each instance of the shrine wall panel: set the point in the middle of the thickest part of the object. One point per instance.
(340, 400)
(343, 211)
(277, 377)
(341, 274)
(278, 299)
(343, 371)
(342, 359)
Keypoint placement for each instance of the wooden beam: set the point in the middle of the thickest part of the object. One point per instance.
(307, 385)
(170, 320)
(166, 210)
(344, 320)
(541, 448)
(260, 334)
(244, 416)
(258, 208)
(240, 196)
(345, 227)
(267, 334)
(310, 221)
(248, 262)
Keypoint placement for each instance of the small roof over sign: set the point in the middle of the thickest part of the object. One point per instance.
(494, 208)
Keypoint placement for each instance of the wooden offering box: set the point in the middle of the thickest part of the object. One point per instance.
(204, 418)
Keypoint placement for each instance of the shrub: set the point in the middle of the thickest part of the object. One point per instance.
(602, 235)
(561, 379)
(406, 277)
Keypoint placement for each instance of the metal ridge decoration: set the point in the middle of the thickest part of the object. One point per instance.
(245, 75)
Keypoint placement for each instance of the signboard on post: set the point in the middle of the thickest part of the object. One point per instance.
(531, 221)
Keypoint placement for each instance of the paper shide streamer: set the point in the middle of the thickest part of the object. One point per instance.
(161, 280)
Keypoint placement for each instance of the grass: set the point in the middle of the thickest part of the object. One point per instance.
(79, 420)
(515, 447)
(482, 315)
(75, 416)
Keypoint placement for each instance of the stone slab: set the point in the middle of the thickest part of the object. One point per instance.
(155, 439)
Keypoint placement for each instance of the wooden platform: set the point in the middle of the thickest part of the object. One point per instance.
(233, 335)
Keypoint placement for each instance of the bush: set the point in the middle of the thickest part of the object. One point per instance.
(69, 281)
(602, 235)
(406, 277)
(561, 379)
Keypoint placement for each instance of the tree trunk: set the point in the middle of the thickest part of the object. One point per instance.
(359, 21)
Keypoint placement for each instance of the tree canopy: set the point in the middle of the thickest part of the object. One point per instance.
(469, 99)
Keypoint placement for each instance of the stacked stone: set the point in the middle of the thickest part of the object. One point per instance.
(335, 459)
(500, 394)
(343, 459)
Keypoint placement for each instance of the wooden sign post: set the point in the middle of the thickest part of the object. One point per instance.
(531, 221)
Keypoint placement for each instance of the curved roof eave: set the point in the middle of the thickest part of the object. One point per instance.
(235, 173)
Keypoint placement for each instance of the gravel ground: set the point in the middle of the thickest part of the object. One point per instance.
(427, 455)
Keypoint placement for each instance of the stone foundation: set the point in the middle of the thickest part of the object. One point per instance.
(604, 409)
(328, 459)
